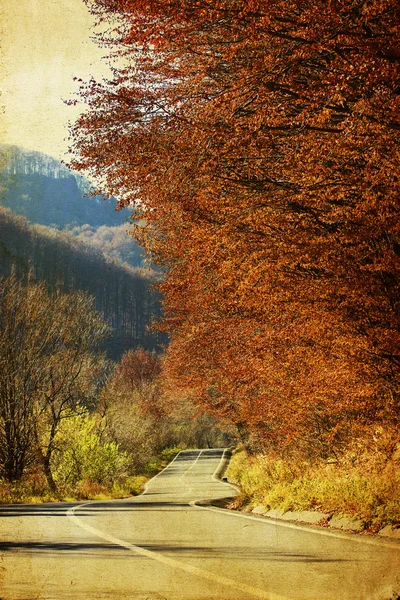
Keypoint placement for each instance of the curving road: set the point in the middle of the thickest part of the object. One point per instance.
(161, 546)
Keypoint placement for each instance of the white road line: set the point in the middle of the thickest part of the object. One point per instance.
(202, 573)
(175, 564)
(158, 474)
(146, 486)
(342, 535)
(189, 488)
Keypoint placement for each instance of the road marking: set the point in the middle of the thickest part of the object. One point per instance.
(175, 564)
(188, 487)
(170, 562)
(160, 473)
(342, 535)
(202, 573)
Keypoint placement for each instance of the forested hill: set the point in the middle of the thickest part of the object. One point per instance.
(44, 191)
(123, 294)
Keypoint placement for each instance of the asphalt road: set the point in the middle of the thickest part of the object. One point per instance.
(161, 546)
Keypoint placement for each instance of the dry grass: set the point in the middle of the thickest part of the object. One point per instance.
(366, 485)
(29, 492)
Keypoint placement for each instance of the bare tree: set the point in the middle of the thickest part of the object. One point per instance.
(49, 364)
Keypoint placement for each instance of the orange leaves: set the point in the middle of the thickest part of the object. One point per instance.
(259, 141)
(139, 366)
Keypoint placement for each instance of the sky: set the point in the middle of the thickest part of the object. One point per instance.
(45, 43)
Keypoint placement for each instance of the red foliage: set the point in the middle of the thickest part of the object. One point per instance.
(139, 366)
(260, 142)
(141, 369)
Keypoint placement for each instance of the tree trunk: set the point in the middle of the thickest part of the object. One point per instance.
(47, 471)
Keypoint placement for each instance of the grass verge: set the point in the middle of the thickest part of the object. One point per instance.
(365, 488)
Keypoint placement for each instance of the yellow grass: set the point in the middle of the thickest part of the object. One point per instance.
(367, 486)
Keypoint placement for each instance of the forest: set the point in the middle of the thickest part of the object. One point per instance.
(45, 192)
(124, 295)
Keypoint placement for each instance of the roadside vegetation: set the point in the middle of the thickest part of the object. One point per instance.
(74, 425)
(89, 483)
(363, 483)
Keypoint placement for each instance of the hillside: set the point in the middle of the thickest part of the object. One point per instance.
(45, 192)
(123, 294)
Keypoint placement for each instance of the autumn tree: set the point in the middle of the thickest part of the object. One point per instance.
(259, 141)
(139, 366)
(140, 413)
(50, 366)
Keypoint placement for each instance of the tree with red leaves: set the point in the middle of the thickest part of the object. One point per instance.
(259, 141)
(139, 366)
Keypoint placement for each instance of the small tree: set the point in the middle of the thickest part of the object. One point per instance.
(84, 456)
(139, 366)
(49, 364)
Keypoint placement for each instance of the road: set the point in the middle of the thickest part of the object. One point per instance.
(160, 546)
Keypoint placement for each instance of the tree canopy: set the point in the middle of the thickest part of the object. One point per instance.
(259, 141)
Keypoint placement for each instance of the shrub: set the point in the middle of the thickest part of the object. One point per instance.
(83, 457)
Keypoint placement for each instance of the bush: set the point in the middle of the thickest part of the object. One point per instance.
(81, 455)
(32, 488)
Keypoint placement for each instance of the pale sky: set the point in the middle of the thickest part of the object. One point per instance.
(45, 43)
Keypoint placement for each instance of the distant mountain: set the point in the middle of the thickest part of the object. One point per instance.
(51, 232)
(45, 192)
